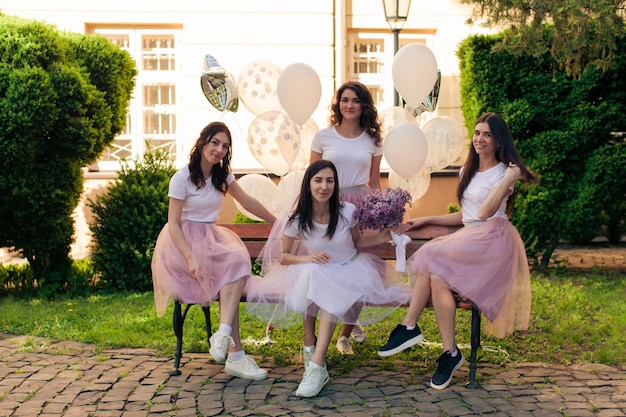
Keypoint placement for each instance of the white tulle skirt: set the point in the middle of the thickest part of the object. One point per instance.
(289, 291)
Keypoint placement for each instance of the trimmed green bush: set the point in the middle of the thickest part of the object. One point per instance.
(127, 220)
(63, 98)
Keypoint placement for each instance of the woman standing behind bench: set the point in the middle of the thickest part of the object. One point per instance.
(330, 278)
(485, 261)
(195, 260)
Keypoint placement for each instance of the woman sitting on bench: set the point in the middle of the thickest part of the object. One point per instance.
(195, 260)
(484, 261)
(330, 278)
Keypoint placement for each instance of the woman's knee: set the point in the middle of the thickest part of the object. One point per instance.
(439, 287)
(235, 286)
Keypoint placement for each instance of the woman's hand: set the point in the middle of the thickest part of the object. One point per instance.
(191, 265)
(414, 224)
(513, 173)
(384, 235)
(319, 258)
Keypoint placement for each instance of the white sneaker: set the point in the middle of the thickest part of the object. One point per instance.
(344, 346)
(245, 368)
(219, 346)
(315, 377)
(308, 355)
(358, 334)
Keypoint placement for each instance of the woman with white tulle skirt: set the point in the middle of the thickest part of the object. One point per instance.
(329, 279)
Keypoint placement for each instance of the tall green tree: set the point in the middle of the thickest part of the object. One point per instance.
(63, 98)
(583, 34)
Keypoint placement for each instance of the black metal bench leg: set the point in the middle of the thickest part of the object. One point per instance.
(207, 321)
(475, 344)
(178, 320)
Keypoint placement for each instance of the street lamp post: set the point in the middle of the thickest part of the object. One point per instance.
(396, 13)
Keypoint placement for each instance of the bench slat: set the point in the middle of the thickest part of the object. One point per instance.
(254, 236)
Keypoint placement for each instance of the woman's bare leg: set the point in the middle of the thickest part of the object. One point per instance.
(325, 332)
(419, 299)
(308, 322)
(444, 305)
(230, 297)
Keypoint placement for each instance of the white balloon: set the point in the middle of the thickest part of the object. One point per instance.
(393, 116)
(289, 187)
(446, 142)
(263, 189)
(274, 140)
(299, 91)
(256, 87)
(417, 185)
(414, 72)
(405, 149)
(307, 133)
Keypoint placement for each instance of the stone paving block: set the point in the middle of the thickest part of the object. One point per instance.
(579, 412)
(107, 413)
(135, 405)
(55, 408)
(611, 413)
(554, 405)
(159, 408)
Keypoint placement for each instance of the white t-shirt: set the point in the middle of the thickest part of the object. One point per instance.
(341, 247)
(477, 191)
(201, 205)
(352, 157)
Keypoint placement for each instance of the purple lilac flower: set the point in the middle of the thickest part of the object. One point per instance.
(379, 210)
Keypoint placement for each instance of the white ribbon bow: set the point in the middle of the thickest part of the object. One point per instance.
(400, 242)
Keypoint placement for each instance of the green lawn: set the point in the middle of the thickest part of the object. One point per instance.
(576, 317)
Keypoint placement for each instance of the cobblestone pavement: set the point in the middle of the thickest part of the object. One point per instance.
(68, 379)
(39, 378)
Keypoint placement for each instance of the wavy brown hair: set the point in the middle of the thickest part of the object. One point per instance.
(369, 114)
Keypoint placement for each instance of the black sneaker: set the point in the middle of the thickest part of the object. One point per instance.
(401, 339)
(447, 365)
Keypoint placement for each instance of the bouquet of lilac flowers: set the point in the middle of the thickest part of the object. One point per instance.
(379, 210)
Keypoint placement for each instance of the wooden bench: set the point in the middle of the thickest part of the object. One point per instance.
(254, 236)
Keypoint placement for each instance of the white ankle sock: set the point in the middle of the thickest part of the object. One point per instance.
(235, 356)
(225, 328)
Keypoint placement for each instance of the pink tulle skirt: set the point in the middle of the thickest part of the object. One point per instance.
(220, 257)
(355, 194)
(487, 265)
(288, 291)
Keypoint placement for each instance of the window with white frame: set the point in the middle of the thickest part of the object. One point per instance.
(151, 114)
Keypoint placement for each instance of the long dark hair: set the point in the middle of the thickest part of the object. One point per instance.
(369, 114)
(220, 171)
(303, 212)
(505, 152)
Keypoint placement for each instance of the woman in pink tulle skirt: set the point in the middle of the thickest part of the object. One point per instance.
(194, 260)
(329, 278)
(484, 261)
